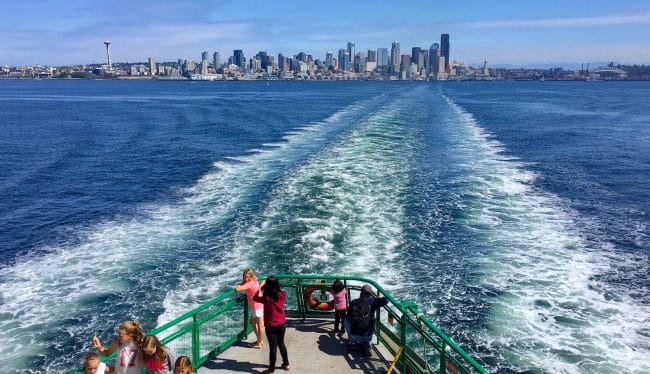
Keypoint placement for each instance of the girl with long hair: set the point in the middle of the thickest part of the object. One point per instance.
(273, 298)
(129, 345)
(183, 365)
(250, 285)
(157, 358)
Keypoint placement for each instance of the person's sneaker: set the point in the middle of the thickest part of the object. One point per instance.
(366, 349)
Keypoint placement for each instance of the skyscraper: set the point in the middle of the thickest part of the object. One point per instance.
(351, 53)
(382, 56)
(204, 62)
(395, 57)
(215, 60)
(302, 56)
(264, 60)
(152, 66)
(344, 60)
(238, 58)
(405, 62)
(434, 58)
(329, 59)
(282, 63)
(444, 49)
(372, 56)
(359, 62)
(417, 57)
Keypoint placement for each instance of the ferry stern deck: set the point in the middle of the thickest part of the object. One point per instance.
(312, 348)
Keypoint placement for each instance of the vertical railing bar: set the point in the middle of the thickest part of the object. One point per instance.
(402, 342)
(246, 320)
(196, 329)
(443, 358)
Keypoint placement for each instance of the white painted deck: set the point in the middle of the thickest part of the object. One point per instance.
(312, 348)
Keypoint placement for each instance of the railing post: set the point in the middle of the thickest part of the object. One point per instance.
(196, 341)
(300, 294)
(246, 319)
(402, 340)
(406, 305)
(443, 358)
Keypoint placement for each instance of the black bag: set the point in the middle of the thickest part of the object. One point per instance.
(360, 315)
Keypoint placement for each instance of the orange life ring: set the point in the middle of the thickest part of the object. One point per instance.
(308, 299)
(315, 304)
(325, 306)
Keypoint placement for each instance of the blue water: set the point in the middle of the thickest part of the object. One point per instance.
(515, 214)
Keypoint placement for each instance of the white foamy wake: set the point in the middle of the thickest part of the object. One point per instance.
(551, 312)
(338, 213)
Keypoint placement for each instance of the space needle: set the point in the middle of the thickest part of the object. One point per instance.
(108, 55)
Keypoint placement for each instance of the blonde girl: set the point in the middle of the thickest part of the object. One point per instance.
(92, 364)
(183, 365)
(250, 285)
(128, 344)
(157, 358)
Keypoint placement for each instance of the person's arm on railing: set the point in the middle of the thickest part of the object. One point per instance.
(105, 351)
(241, 287)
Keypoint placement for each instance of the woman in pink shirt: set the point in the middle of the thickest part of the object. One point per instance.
(250, 286)
(340, 304)
(272, 296)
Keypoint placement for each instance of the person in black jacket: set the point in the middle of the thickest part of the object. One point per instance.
(360, 319)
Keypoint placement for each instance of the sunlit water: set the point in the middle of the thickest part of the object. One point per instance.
(515, 214)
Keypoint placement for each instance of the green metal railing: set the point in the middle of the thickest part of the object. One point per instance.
(210, 329)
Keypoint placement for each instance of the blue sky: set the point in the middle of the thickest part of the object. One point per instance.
(505, 32)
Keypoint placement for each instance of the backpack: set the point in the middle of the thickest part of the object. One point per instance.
(360, 315)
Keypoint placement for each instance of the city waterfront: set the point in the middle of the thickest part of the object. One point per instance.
(422, 64)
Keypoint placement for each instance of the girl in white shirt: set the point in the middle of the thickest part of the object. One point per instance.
(92, 364)
(129, 346)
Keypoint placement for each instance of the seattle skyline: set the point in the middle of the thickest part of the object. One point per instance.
(71, 32)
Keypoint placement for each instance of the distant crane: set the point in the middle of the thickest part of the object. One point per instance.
(108, 55)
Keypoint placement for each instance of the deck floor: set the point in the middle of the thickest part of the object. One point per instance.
(312, 348)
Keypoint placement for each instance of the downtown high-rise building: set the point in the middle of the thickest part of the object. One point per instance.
(238, 58)
(344, 60)
(216, 60)
(282, 63)
(444, 49)
(417, 57)
(405, 63)
(329, 60)
(304, 57)
(263, 57)
(434, 58)
(351, 54)
(395, 56)
(204, 62)
(372, 56)
(382, 57)
(359, 63)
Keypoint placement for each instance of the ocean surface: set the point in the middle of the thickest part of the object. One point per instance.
(516, 214)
